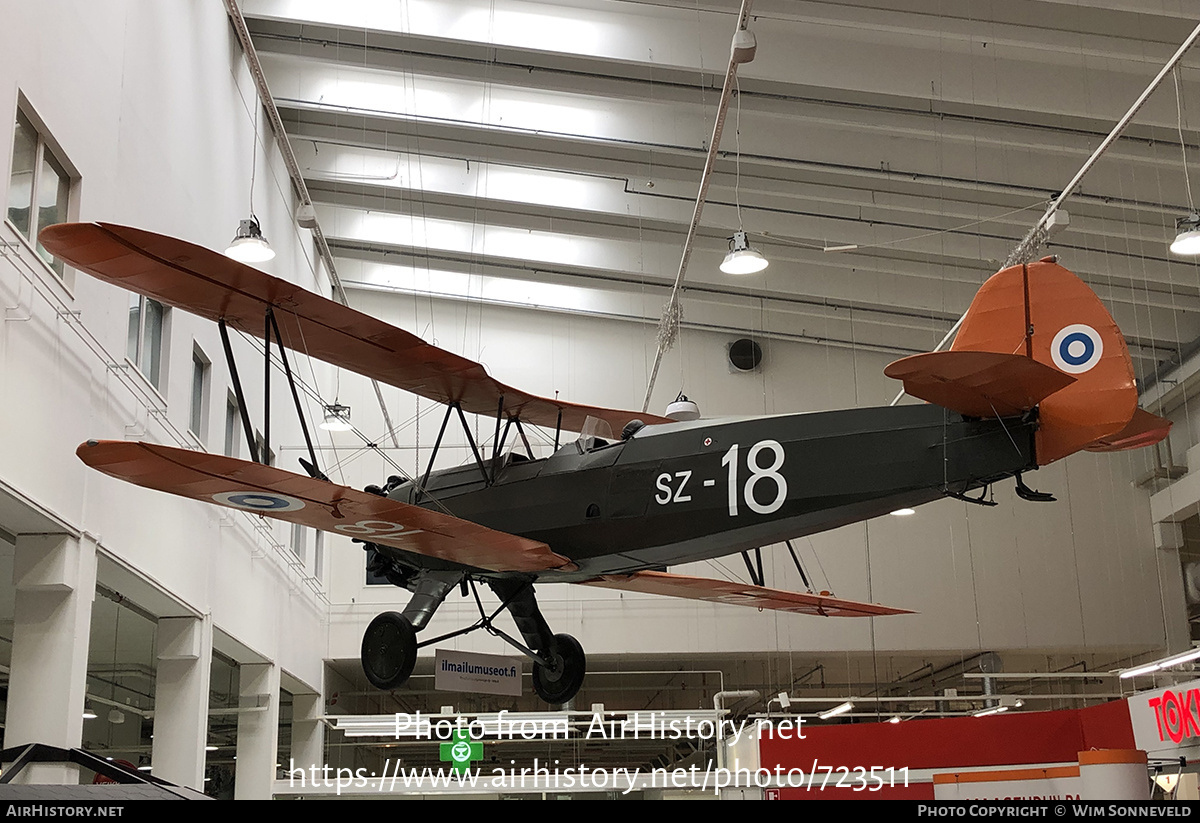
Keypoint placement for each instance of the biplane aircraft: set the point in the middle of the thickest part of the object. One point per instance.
(1038, 371)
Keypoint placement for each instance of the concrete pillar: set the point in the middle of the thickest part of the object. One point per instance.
(181, 700)
(258, 730)
(1174, 601)
(55, 580)
(308, 732)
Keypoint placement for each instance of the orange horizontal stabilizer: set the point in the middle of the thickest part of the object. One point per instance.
(211, 285)
(978, 383)
(740, 594)
(320, 504)
(1145, 429)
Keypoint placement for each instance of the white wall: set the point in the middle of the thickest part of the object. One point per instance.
(152, 105)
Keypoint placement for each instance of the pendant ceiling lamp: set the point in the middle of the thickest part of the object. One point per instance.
(248, 244)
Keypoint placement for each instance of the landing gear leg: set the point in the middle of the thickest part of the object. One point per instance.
(389, 646)
(558, 680)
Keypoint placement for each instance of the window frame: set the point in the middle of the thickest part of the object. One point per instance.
(157, 378)
(264, 451)
(45, 145)
(198, 410)
(233, 426)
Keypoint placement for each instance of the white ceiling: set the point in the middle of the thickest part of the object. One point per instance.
(561, 144)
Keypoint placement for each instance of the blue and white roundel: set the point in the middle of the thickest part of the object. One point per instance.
(1077, 348)
(259, 501)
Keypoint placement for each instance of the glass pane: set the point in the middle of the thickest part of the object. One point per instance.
(232, 421)
(135, 327)
(197, 396)
(152, 342)
(54, 187)
(20, 184)
(299, 538)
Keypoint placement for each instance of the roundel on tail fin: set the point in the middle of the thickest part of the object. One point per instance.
(1076, 348)
(1045, 312)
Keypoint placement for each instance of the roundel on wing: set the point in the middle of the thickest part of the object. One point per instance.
(256, 501)
(1077, 348)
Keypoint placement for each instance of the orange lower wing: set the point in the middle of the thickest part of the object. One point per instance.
(740, 594)
(978, 383)
(1145, 429)
(283, 495)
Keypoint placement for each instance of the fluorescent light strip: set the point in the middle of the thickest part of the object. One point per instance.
(993, 710)
(1184, 657)
(836, 710)
(1140, 670)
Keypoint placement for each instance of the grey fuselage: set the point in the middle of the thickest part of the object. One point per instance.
(682, 492)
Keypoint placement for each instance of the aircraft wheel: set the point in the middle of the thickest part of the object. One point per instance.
(561, 684)
(389, 650)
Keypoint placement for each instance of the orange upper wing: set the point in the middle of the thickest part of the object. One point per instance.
(206, 283)
(283, 495)
(741, 594)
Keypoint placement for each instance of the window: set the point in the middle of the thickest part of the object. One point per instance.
(145, 342)
(265, 455)
(318, 568)
(300, 544)
(299, 539)
(39, 187)
(198, 420)
(233, 426)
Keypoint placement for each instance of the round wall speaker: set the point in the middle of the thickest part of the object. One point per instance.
(745, 354)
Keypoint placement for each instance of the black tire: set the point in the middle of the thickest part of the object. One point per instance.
(389, 650)
(557, 686)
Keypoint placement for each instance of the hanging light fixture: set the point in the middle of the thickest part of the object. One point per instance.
(1187, 241)
(742, 259)
(1187, 228)
(337, 418)
(248, 244)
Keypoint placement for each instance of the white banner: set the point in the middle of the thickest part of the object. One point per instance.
(480, 673)
(1166, 722)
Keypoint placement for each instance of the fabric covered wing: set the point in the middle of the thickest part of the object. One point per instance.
(978, 383)
(203, 282)
(740, 594)
(283, 495)
(1145, 429)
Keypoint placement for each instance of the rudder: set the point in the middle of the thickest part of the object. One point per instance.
(1041, 310)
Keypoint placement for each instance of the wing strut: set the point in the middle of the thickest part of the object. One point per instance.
(270, 327)
(313, 469)
(756, 575)
(437, 444)
(237, 390)
(755, 567)
(471, 440)
(799, 568)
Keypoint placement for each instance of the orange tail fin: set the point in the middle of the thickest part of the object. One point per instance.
(1044, 313)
